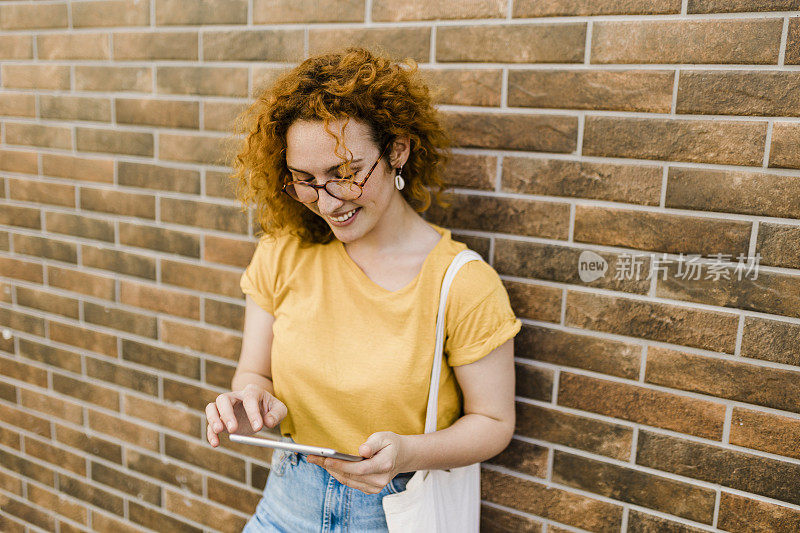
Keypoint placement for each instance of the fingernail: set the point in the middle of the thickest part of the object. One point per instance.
(255, 423)
(270, 419)
(230, 426)
(218, 426)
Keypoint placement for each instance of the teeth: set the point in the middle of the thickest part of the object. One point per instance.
(344, 217)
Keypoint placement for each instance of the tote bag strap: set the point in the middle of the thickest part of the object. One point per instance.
(462, 258)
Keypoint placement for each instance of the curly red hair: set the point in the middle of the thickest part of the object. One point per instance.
(354, 83)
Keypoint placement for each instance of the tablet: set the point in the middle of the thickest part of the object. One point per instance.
(293, 447)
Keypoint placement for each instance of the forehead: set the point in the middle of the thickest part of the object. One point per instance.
(307, 143)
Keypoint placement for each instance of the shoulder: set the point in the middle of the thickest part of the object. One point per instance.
(474, 282)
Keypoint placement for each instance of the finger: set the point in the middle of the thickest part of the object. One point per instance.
(252, 408)
(213, 418)
(274, 410)
(226, 410)
(212, 436)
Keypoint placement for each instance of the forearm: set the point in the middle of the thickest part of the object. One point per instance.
(242, 379)
(470, 439)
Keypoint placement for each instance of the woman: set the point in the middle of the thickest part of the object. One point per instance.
(342, 294)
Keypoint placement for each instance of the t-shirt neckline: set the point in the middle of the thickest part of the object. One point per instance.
(367, 281)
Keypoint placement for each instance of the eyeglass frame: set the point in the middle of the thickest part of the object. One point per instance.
(324, 185)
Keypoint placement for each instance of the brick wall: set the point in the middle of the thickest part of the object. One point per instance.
(637, 132)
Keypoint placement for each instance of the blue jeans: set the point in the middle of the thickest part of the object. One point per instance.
(301, 497)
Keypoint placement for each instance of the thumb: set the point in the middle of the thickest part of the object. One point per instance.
(373, 445)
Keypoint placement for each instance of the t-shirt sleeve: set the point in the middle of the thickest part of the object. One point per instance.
(479, 316)
(258, 279)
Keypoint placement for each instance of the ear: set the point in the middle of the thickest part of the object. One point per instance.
(400, 151)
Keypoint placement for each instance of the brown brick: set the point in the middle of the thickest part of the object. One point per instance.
(113, 78)
(204, 215)
(21, 509)
(112, 372)
(90, 493)
(388, 11)
(661, 232)
(737, 513)
(307, 11)
(209, 150)
(114, 141)
(165, 470)
(701, 141)
(199, 12)
(496, 520)
(56, 455)
(537, 302)
(176, 417)
(582, 179)
(161, 359)
(159, 239)
(737, 6)
(16, 46)
(42, 192)
(235, 252)
(714, 464)
(642, 405)
(744, 382)
(47, 301)
(21, 321)
(86, 391)
(204, 81)
(219, 116)
(709, 330)
(227, 315)
(517, 216)
(632, 486)
(30, 16)
(619, 90)
(552, 503)
(750, 193)
(201, 339)
(26, 468)
(523, 457)
(158, 177)
(111, 13)
(457, 86)
(164, 113)
(32, 76)
(22, 371)
(785, 147)
(19, 104)
(612, 357)
(80, 226)
(563, 8)
(15, 161)
(155, 520)
(50, 356)
(55, 502)
(771, 340)
(778, 244)
(118, 202)
(78, 168)
(90, 444)
(744, 41)
(765, 431)
(119, 480)
(21, 216)
(103, 522)
(120, 319)
(724, 287)
(205, 457)
(232, 495)
(576, 431)
(159, 299)
(219, 374)
(83, 338)
(509, 131)
(793, 42)
(39, 135)
(404, 41)
(561, 263)
(639, 522)
(32, 423)
(82, 282)
(62, 107)
(48, 404)
(760, 93)
(156, 45)
(472, 171)
(253, 45)
(73, 46)
(18, 269)
(203, 512)
(535, 43)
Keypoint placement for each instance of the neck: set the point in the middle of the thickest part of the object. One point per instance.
(390, 235)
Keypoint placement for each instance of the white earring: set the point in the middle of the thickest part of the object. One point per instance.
(399, 182)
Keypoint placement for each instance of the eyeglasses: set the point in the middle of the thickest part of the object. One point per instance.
(342, 188)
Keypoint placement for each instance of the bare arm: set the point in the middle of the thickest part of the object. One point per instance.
(255, 358)
(488, 422)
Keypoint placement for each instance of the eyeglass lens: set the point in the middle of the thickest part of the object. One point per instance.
(341, 189)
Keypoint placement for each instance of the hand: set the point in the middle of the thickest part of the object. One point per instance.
(241, 411)
(383, 451)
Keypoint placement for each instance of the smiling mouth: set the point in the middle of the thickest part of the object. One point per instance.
(347, 216)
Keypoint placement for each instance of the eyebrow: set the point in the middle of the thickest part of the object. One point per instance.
(334, 167)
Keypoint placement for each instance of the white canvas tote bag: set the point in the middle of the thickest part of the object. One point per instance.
(438, 501)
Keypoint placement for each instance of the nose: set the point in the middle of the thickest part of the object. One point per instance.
(326, 203)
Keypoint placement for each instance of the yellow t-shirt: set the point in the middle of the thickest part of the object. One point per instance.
(350, 358)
